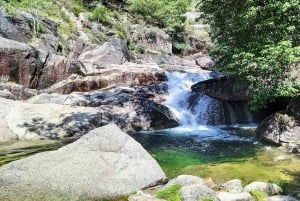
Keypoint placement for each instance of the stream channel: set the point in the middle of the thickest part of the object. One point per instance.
(215, 139)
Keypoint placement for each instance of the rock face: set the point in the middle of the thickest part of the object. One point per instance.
(113, 52)
(89, 168)
(20, 62)
(150, 39)
(282, 128)
(221, 88)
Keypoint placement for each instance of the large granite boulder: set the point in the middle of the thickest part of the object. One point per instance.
(282, 128)
(112, 52)
(105, 163)
(128, 108)
(221, 88)
(40, 121)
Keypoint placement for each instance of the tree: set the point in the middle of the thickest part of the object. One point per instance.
(257, 42)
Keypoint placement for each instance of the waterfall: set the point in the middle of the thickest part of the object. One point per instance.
(194, 109)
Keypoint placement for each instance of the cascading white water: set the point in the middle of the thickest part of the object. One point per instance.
(194, 109)
(179, 88)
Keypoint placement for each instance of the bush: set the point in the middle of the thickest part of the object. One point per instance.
(100, 14)
(164, 12)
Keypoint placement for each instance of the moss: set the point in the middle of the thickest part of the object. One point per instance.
(206, 199)
(258, 196)
(170, 194)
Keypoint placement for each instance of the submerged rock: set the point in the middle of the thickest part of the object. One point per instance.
(105, 163)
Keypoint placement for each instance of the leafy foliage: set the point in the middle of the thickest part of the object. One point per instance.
(166, 13)
(258, 43)
(170, 194)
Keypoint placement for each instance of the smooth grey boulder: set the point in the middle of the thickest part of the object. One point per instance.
(280, 198)
(104, 163)
(143, 198)
(196, 192)
(40, 121)
(233, 186)
(264, 187)
(185, 180)
(227, 196)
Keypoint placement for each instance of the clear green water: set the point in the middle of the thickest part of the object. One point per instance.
(222, 154)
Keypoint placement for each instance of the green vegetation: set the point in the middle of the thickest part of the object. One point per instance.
(162, 12)
(206, 199)
(258, 43)
(170, 194)
(258, 195)
(100, 14)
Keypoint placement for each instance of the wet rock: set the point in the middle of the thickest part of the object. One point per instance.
(279, 129)
(232, 186)
(267, 188)
(89, 168)
(280, 198)
(228, 196)
(293, 108)
(196, 192)
(221, 88)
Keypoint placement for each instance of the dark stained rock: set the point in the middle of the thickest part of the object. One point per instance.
(293, 108)
(279, 129)
(27, 28)
(282, 128)
(221, 88)
(21, 63)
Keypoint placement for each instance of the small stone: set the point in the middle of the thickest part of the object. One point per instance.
(227, 196)
(233, 186)
(185, 180)
(280, 198)
(267, 188)
(196, 192)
